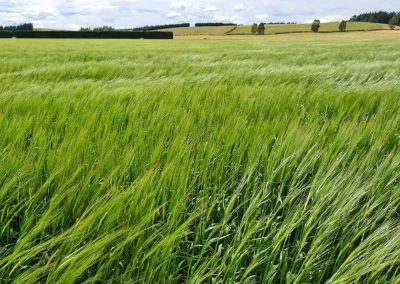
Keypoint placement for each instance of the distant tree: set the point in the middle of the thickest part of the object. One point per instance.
(394, 21)
(103, 29)
(98, 29)
(161, 27)
(23, 27)
(261, 29)
(315, 26)
(342, 26)
(214, 24)
(382, 17)
(254, 28)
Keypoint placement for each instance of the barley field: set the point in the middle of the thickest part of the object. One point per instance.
(216, 161)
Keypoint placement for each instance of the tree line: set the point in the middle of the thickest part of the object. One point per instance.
(213, 24)
(315, 27)
(161, 27)
(87, 34)
(23, 27)
(156, 27)
(98, 29)
(139, 29)
(282, 23)
(382, 17)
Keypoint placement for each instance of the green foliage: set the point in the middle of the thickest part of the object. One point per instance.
(199, 161)
(98, 29)
(162, 27)
(254, 28)
(214, 24)
(261, 29)
(342, 26)
(382, 17)
(92, 34)
(315, 26)
(394, 21)
(4, 34)
(22, 27)
(303, 28)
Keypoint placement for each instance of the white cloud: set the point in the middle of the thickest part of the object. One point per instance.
(210, 8)
(333, 18)
(231, 19)
(262, 17)
(239, 8)
(180, 5)
(173, 14)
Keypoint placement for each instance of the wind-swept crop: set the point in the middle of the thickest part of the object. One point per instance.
(199, 161)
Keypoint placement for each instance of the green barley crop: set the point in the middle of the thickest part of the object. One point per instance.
(200, 161)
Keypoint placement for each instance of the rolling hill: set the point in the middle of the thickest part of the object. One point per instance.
(274, 29)
(325, 27)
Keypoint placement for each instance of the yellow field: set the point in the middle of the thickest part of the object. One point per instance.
(204, 32)
(325, 27)
(381, 34)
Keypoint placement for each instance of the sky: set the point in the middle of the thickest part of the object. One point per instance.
(73, 14)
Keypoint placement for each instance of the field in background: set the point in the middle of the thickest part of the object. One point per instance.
(220, 30)
(325, 27)
(248, 161)
(273, 29)
(377, 35)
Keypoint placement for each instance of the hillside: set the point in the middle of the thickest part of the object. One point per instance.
(325, 27)
(274, 29)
